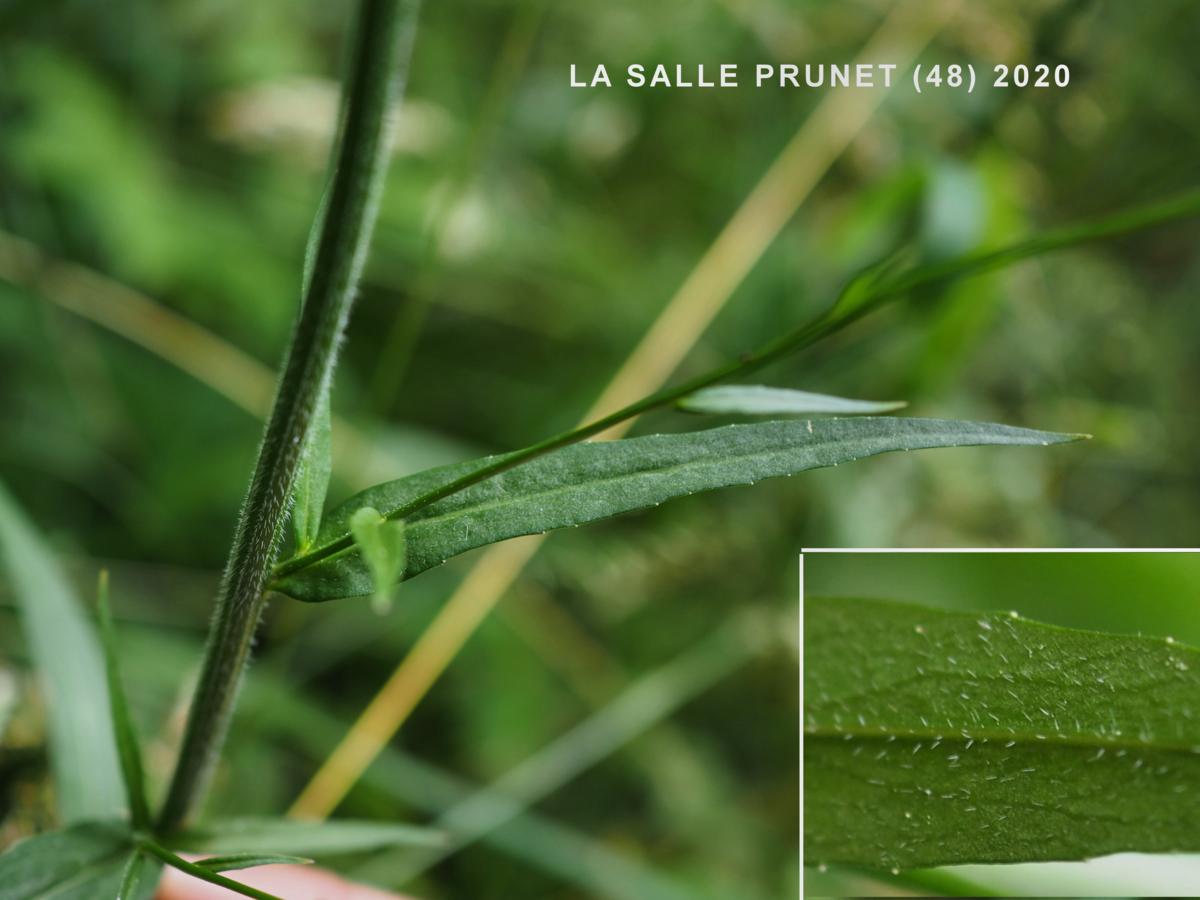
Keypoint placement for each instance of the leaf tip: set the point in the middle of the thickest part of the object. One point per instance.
(1071, 437)
(1047, 438)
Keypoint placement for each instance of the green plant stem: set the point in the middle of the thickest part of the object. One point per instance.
(128, 748)
(381, 40)
(178, 862)
(834, 319)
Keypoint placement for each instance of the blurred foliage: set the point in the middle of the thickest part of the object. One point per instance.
(529, 235)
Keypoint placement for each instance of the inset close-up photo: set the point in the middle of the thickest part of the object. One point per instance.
(1001, 724)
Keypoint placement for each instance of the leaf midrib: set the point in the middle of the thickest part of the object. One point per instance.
(883, 733)
(484, 506)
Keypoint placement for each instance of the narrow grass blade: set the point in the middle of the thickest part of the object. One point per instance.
(758, 400)
(129, 753)
(84, 862)
(70, 668)
(644, 703)
(312, 478)
(586, 482)
(589, 865)
(934, 738)
(316, 466)
(233, 861)
(285, 836)
(273, 710)
(198, 871)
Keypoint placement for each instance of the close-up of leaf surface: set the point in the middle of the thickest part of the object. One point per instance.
(587, 482)
(935, 738)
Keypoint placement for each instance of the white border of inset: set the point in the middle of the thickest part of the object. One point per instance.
(800, 717)
(897, 550)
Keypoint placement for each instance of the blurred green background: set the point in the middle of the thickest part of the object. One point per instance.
(1153, 594)
(162, 162)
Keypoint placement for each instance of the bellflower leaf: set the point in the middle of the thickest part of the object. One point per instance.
(934, 738)
(586, 482)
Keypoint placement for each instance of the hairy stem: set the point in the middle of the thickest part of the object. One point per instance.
(381, 42)
(841, 314)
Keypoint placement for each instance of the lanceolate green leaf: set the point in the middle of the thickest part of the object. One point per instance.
(936, 737)
(304, 838)
(64, 648)
(128, 751)
(759, 400)
(587, 482)
(84, 862)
